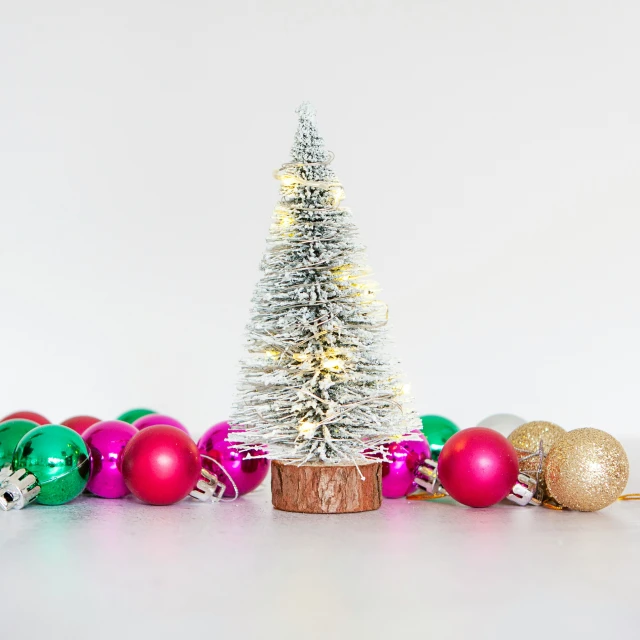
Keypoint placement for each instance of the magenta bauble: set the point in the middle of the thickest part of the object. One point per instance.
(478, 467)
(106, 442)
(247, 473)
(404, 457)
(155, 419)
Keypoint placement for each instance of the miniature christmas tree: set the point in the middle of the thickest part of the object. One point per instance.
(317, 385)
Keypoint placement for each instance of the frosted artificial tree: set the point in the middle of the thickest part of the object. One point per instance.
(317, 388)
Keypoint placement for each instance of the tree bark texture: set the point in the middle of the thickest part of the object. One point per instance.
(326, 488)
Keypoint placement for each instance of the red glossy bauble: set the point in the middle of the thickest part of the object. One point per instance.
(478, 467)
(161, 465)
(80, 423)
(26, 415)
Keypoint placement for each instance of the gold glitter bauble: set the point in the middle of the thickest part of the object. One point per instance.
(586, 470)
(526, 439)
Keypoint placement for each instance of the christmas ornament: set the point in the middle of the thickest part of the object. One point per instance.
(528, 438)
(80, 423)
(161, 465)
(586, 470)
(133, 414)
(399, 469)
(504, 423)
(437, 430)
(26, 415)
(11, 432)
(153, 419)
(532, 442)
(317, 387)
(245, 470)
(106, 442)
(56, 460)
(478, 467)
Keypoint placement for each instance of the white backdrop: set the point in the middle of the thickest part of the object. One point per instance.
(489, 151)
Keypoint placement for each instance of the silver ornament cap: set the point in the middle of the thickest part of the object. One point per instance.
(427, 478)
(18, 490)
(524, 490)
(5, 472)
(208, 488)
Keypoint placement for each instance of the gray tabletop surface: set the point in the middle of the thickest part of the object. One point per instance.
(108, 568)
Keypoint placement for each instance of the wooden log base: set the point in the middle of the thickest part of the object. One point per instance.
(326, 488)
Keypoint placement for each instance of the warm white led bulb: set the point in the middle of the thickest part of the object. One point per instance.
(332, 364)
(307, 429)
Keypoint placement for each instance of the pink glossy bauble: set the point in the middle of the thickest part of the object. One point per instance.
(106, 442)
(161, 465)
(80, 423)
(247, 474)
(478, 467)
(154, 419)
(398, 474)
(26, 415)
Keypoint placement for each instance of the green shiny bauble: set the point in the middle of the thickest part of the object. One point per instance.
(437, 430)
(132, 415)
(11, 432)
(58, 457)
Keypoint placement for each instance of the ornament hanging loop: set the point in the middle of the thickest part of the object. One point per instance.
(208, 488)
(18, 490)
(224, 486)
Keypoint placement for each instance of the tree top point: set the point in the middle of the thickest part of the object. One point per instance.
(308, 145)
(306, 111)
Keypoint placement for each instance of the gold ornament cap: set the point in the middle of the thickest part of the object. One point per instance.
(586, 470)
